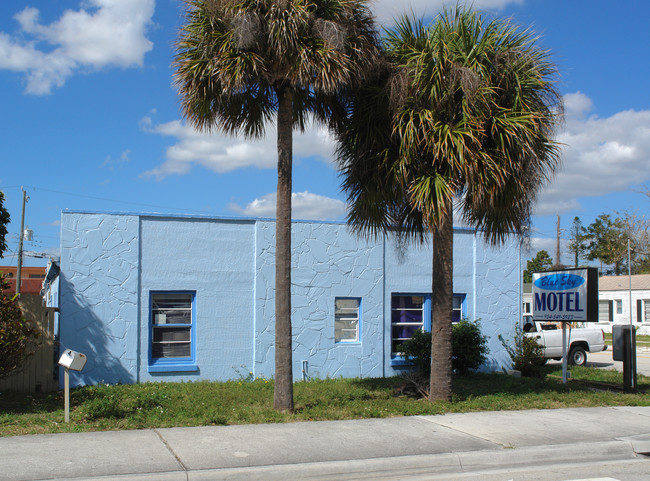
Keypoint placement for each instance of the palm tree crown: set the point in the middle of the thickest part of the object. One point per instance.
(233, 56)
(466, 110)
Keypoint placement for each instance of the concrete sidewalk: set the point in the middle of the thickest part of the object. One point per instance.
(452, 443)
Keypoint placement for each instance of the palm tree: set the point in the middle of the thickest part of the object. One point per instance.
(239, 63)
(463, 117)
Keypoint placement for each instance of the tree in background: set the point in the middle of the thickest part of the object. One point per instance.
(463, 114)
(637, 228)
(607, 242)
(540, 263)
(577, 240)
(5, 218)
(17, 336)
(242, 64)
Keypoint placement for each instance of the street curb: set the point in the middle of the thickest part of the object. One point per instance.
(640, 444)
(395, 467)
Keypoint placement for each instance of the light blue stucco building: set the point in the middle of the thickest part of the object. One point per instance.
(157, 297)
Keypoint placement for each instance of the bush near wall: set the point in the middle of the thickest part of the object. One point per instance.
(469, 349)
(18, 337)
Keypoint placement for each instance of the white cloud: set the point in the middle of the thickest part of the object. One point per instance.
(222, 154)
(104, 33)
(577, 105)
(111, 163)
(601, 155)
(304, 205)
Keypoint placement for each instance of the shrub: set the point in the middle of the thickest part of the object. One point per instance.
(526, 353)
(417, 351)
(17, 336)
(468, 344)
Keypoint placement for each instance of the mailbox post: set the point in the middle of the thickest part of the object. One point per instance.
(70, 360)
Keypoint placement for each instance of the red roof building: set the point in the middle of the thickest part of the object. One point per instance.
(32, 279)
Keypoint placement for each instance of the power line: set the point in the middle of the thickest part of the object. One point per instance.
(113, 200)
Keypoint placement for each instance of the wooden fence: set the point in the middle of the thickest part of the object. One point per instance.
(39, 372)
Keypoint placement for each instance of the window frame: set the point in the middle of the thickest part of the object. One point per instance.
(397, 359)
(173, 364)
(357, 340)
(462, 309)
(426, 320)
(606, 306)
(643, 310)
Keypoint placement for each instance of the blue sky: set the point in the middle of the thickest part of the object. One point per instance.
(92, 121)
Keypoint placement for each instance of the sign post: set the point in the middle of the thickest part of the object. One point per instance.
(564, 354)
(568, 295)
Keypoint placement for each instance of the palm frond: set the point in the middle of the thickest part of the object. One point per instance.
(468, 111)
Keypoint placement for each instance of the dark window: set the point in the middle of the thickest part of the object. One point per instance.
(412, 312)
(171, 325)
(407, 316)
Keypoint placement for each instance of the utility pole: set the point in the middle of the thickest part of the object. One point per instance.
(20, 244)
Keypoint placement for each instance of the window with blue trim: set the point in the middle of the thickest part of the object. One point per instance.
(172, 331)
(407, 316)
(458, 308)
(347, 312)
(412, 312)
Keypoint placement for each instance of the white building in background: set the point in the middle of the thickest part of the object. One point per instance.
(614, 305)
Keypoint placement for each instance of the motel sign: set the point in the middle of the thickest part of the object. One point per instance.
(569, 295)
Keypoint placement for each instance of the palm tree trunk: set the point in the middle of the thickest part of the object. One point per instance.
(441, 307)
(283, 391)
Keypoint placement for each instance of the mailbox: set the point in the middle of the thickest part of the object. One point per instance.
(623, 344)
(73, 360)
(624, 349)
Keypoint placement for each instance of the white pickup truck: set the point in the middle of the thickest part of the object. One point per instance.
(579, 340)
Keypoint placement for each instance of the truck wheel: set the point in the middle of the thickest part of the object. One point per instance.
(578, 356)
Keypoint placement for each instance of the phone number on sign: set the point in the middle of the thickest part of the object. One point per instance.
(556, 317)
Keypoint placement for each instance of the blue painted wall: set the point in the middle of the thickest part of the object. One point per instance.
(99, 285)
(110, 263)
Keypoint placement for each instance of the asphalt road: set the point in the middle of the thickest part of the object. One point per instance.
(634, 470)
(603, 360)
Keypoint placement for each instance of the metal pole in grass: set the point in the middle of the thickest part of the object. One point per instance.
(632, 336)
(70, 360)
(565, 376)
(66, 395)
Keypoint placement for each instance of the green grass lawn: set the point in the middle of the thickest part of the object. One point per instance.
(156, 405)
(641, 341)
